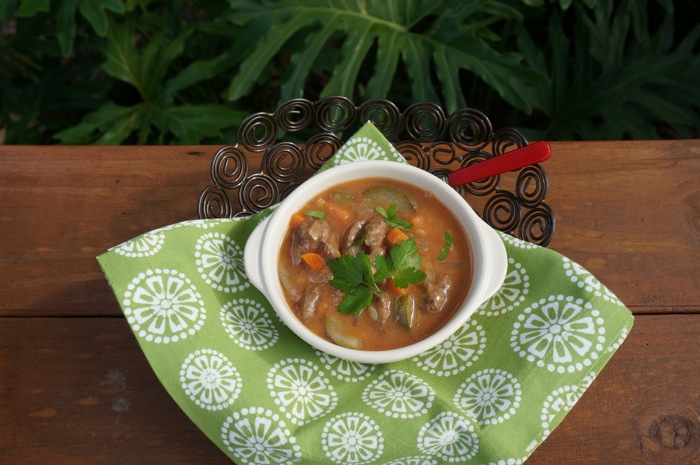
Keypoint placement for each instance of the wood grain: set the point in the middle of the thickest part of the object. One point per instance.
(630, 213)
(63, 206)
(79, 391)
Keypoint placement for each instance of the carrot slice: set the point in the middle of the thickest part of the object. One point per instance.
(296, 220)
(396, 236)
(314, 261)
(391, 285)
(417, 220)
(339, 212)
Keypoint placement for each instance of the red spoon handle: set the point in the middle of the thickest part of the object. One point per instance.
(509, 161)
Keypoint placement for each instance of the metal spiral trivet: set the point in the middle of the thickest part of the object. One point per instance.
(422, 133)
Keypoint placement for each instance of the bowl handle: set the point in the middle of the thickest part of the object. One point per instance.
(252, 255)
(497, 263)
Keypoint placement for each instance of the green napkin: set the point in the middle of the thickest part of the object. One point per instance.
(488, 395)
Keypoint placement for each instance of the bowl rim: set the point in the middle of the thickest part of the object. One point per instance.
(273, 229)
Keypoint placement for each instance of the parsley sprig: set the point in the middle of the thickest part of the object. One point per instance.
(446, 248)
(354, 276)
(315, 213)
(392, 219)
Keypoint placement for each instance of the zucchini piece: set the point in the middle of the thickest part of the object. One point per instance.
(385, 195)
(404, 310)
(340, 196)
(334, 330)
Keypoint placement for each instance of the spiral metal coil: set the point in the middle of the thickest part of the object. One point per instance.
(427, 137)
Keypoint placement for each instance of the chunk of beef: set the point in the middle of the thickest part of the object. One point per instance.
(436, 289)
(375, 230)
(316, 236)
(330, 248)
(308, 303)
(353, 235)
(382, 305)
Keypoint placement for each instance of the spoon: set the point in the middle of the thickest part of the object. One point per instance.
(509, 161)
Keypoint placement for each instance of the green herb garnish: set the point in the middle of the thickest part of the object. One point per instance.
(391, 218)
(360, 241)
(353, 275)
(315, 213)
(446, 247)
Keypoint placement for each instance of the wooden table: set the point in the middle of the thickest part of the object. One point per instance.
(76, 389)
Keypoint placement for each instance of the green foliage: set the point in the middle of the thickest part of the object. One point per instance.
(455, 37)
(146, 71)
(613, 77)
(187, 72)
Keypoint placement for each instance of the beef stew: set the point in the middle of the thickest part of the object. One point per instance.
(374, 264)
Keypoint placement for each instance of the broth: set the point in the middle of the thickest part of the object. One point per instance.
(387, 222)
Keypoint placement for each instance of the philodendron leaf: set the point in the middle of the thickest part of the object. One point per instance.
(144, 69)
(192, 123)
(200, 70)
(360, 38)
(111, 124)
(266, 49)
(32, 7)
(607, 85)
(304, 59)
(389, 45)
(122, 56)
(94, 11)
(399, 31)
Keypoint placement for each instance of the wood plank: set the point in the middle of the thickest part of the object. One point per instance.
(63, 206)
(630, 213)
(627, 211)
(79, 391)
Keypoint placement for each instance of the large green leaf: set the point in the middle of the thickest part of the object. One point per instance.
(192, 123)
(109, 125)
(94, 11)
(614, 77)
(145, 70)
(32, 7)
(114, 124)
(160, 116)
(446, 36)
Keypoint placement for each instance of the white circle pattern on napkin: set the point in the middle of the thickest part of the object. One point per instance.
(220, 261)
(489, 396)
(352, 438)
(247, 322)
(258, 436)
(210, 379)
(399, 395)
(560, 333)
(301, 390)
(450, 437)
(345, 370)
(512, 293)
(585, 280)
(142, 246)
(163, 306)
(456, 353)
(359, 149)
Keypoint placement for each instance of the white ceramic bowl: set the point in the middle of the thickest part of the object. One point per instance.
(489, 258)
